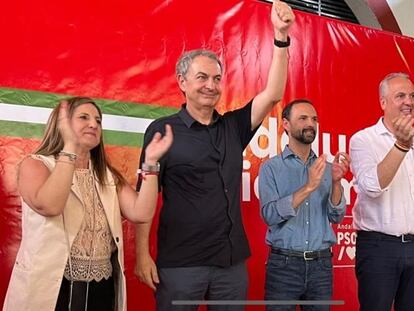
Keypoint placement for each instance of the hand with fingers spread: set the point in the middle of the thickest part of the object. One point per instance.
(403, 130)
(340, 166)
(65, 129)
(282, 17)
(146, 270)
(316, 173)
(159, 145)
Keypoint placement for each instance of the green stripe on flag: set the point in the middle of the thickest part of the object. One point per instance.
(21, 129)
(31, 130)
(49, 100)
(123, 138)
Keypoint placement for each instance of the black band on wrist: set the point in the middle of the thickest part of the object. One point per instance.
(401, 148)
(282, 44)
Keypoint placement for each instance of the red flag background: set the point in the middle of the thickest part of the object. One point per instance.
(124, 53)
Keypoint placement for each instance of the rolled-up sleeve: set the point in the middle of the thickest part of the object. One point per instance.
(364, 166)
(336, 212)
(274, 209)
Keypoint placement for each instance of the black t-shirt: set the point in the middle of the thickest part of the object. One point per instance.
(200, 221)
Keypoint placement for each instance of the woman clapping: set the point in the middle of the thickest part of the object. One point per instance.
(73, 201)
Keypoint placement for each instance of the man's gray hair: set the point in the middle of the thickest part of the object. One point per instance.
(184, 62)
(383, 86)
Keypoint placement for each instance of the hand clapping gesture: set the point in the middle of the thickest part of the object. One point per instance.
(316, 172)
(340, 166)
(65, 129)
(159, 145)
(403, 130)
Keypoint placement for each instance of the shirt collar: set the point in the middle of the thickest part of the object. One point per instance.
(189, 120)
(288, 153)
(381, 129)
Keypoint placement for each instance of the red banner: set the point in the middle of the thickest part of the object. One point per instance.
(126, 51)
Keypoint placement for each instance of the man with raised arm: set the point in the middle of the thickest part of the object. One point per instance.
(202, 245)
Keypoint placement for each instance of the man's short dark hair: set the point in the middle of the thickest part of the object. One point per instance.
(288, 108)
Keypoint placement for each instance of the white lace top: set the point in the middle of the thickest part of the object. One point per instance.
(90, 255)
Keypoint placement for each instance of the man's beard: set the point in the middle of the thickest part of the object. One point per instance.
(306, 136)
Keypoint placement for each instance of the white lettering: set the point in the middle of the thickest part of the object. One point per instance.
(346, 237)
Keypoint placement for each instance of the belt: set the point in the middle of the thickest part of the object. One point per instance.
(306, 255)
(404, 238)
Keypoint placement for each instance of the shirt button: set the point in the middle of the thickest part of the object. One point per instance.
(307, 203)
(306, 242)
(307, 222)
(117, 239)
(226, 190)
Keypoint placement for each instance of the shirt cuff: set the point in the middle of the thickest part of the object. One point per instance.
(342, 203)
(285, 209)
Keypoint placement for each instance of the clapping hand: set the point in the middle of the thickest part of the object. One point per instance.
(403, 130)
(65, 129)
(159, 145)
(340, 166)
(316, 172)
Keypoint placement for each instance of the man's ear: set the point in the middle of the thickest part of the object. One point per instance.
(181, 82)
(286, 125)
(383, 103)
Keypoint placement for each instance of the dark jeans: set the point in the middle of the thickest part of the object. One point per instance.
(385, 273)
(293, 278)
(201, 283)
(101, 296)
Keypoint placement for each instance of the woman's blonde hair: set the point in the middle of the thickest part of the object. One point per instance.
(52, 142)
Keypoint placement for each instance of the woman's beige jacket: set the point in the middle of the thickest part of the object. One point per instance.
(44, 250)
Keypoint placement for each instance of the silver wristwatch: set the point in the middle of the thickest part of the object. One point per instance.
(153, 168)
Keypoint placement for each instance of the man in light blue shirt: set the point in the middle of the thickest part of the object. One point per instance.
(300, 196)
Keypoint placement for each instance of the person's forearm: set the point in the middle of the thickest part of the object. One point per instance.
(389, 166)
(300, 196)
(336, 194)
(50, 199)
(274, 89)
(146, 201)
(142, 233)
(276, 81)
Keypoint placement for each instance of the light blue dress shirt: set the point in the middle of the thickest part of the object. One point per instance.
(307, 228)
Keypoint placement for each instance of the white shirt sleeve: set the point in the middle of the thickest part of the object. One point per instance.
(364, 163)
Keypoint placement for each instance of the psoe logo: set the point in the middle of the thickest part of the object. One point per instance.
(344, 250)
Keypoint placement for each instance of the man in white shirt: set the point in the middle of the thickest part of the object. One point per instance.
(383, 167)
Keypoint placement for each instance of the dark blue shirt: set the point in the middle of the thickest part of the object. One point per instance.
(307, 228)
